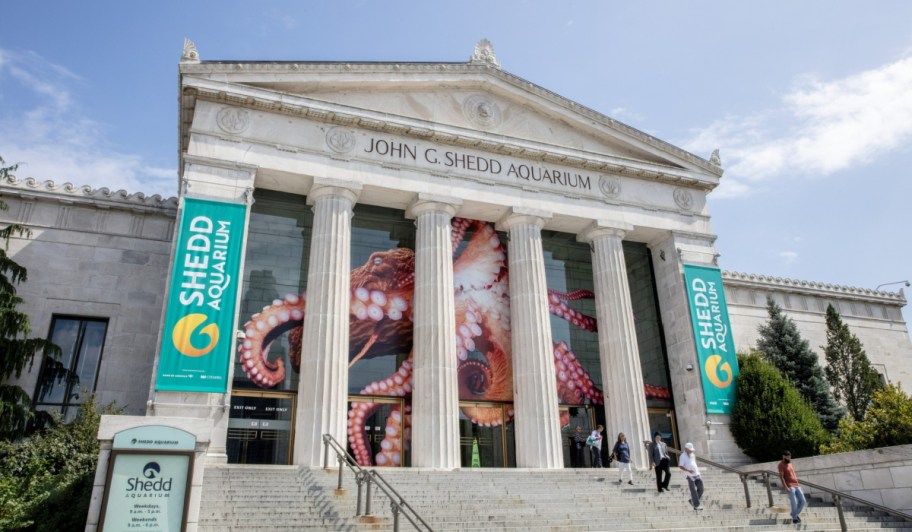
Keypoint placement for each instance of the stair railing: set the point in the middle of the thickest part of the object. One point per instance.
(838, 496)
(366, 478)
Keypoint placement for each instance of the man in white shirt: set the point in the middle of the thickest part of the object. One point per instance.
(687, 462)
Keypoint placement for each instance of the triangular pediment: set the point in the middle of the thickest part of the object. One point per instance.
(480, 100)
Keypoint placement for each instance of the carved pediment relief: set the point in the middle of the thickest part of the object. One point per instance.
(479, 99)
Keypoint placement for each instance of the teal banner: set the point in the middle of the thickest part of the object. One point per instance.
(712, 332)
(198, 335)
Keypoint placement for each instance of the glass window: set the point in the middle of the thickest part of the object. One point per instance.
(66, 382)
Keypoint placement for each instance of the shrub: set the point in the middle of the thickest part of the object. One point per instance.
(46, 479)
(770, 415)
(888, 421)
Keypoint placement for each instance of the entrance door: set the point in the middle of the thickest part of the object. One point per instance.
(579, 416)
(484, 439)
(662, 420)
(385, 440)
(260, 427)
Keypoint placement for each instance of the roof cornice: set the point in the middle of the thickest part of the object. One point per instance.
(32, 188)
(750, 280)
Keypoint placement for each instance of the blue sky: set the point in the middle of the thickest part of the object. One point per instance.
(809, 102)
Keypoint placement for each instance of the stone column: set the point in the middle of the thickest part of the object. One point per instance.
(622, 376)
(435, 389)
(323, 386)
(538, 437)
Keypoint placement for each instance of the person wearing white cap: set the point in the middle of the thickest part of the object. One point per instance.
(688, 463)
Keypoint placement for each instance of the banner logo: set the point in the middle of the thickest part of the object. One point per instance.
(712, 371)
(185, 329)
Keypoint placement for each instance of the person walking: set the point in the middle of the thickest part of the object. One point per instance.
(790, 485)
(577, 444)
(595, 446)
(621, 454)
(660, 461)
(688, 464)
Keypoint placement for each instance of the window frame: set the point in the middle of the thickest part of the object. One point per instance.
(63, 406)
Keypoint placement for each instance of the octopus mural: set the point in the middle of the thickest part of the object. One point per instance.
(381, 325)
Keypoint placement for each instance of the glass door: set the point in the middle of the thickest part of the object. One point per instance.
(260, 427)
(485, 440)
(584, 418)
(662, 420)
(384, 441)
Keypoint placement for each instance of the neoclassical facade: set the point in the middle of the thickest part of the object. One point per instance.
(442, 265)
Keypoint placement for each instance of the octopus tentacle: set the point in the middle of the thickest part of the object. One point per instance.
(399, 384)
(260, 331)
(574, 385)
(557, 307)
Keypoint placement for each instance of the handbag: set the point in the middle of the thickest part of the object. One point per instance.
(590, 441)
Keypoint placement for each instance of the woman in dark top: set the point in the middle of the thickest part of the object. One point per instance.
(621, 454)
(577, 445)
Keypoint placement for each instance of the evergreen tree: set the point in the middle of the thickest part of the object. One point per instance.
(769, 414)
(848, 369)
(16, 350)
(782, 345)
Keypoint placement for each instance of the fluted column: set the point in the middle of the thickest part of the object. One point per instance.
(323, 386)
(622, 376)
(538, 438)
(435, 390)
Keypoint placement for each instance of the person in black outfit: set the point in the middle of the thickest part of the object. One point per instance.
(577, 446)
(659, 460)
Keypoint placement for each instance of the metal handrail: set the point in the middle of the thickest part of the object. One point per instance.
(838, 496)
(367, 477)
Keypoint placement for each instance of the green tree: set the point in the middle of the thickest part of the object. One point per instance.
(46, 479)
(848, 369)
(16, 350)
(769, 414)
(782, 345)
(887, 422)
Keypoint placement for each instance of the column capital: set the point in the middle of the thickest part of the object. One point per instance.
(523, 215)
(324, 186)
(602, 228)
(432, 203)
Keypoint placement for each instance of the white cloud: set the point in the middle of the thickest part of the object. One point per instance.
(821, 128)
(51, 138)
(789, 257)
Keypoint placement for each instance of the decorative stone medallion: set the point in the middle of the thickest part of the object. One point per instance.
(233, 120)
(610, 186)
(340, 139)
(482, 111)
(683, 198)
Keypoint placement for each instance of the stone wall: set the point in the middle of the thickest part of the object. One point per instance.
(874, 317)
(98, 254)
(882, 476)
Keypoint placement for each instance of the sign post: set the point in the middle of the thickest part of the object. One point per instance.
(148, 480)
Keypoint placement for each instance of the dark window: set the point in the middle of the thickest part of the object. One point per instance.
(67, 381)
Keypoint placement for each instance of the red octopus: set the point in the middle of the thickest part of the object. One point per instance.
(381, 325)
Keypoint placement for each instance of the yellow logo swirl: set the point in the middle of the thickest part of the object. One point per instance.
(712, 368)
(185, 328)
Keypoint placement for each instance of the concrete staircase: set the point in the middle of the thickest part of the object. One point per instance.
(284, 498)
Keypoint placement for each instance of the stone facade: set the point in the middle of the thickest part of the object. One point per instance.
(874, 317)
(95, 253)
(479, 144)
